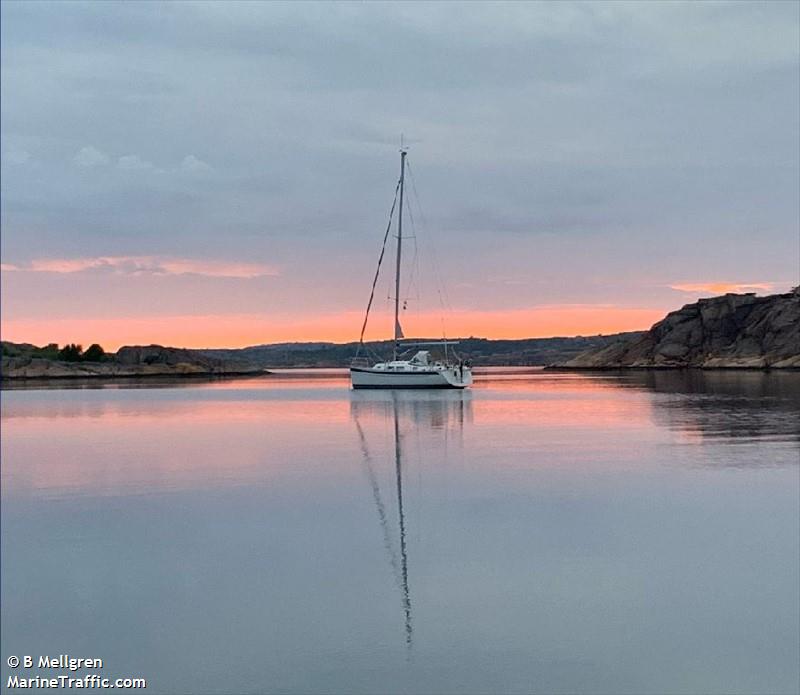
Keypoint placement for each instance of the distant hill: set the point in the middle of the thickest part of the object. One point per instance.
(480, 351)
(732, 331)
(23, 360)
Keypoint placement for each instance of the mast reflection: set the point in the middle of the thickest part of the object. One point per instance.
(401, 515)
(441, 412)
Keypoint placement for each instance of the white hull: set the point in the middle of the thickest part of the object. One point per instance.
(449, 378)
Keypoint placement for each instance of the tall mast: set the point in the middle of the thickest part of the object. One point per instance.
(397, 331)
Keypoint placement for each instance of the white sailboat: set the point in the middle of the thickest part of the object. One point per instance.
(421, 370)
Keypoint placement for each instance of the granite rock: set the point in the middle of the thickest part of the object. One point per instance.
(731, 331)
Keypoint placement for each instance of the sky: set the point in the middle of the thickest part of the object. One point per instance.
(221, 174)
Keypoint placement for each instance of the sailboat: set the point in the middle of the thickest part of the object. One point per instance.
(420, 370)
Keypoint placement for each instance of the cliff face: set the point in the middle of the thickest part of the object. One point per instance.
(129, 361)
(735, 330)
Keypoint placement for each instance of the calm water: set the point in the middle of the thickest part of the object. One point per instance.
(539, 533)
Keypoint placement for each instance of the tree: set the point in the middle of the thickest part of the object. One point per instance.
(94, 353)
(48, 352)
(70, 353)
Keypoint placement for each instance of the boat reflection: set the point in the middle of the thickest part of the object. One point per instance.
(439, 411)
(431, 409)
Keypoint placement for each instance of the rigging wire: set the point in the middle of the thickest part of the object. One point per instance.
(415, 277)
(377, 270)
(441, 289)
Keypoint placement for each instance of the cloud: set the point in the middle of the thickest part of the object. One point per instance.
(193, 165)
(132, 162)
(6, 267)
(90, 157)
(724, 287)
(546, 136)
(16, 157)
(147, 265)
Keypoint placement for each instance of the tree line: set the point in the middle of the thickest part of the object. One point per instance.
(71, 352)
(75, 353)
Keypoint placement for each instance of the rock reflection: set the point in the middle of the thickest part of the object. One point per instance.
(724, 405)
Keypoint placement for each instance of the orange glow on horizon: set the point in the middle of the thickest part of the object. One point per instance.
(234, 331)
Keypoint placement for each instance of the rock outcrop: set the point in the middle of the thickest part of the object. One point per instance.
(21, 361)
(159, 356)
(732, 331)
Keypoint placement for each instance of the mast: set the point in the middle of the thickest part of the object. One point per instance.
(397, 330)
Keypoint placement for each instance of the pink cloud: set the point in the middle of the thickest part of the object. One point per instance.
(147, 265)
(724, 287)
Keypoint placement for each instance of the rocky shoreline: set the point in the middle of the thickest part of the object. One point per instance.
(734, 331)
(24, 362)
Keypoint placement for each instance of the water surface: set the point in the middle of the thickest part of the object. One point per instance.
(633, 533)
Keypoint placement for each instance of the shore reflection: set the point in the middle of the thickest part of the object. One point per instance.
(125, 441)
(723, 405)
